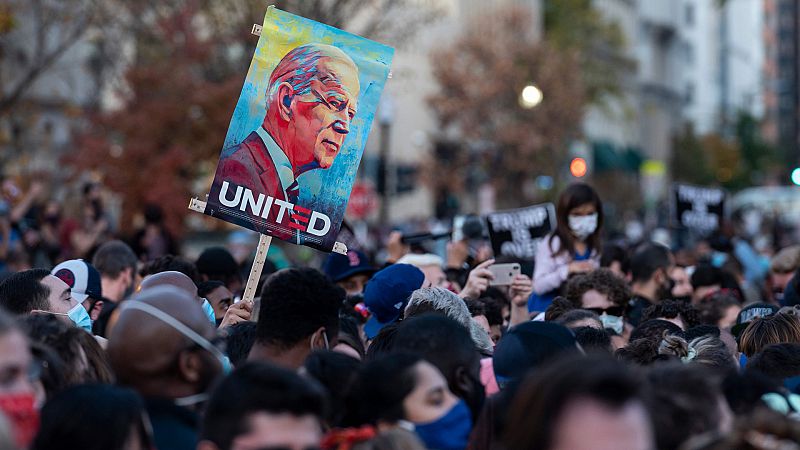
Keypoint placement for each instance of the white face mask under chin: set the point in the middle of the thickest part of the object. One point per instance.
(191, 400)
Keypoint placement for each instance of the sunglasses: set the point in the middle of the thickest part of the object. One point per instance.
(611, 311)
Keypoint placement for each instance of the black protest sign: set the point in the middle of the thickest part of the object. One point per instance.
(517, 232)
(701, 209)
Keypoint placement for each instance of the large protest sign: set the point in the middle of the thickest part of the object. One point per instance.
(298, 131)
(517, 232)
(701, 209)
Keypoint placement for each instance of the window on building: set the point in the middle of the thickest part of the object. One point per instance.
(688, 53)
(688, 13)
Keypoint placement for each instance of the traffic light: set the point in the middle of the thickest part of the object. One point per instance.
(578, 167)
(796, 176)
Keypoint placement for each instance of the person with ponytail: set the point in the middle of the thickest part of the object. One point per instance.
(707, 350)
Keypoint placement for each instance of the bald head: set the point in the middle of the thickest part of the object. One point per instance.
(170, 278)
(143, 349)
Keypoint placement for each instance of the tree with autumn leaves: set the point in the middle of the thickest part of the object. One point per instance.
(191, 56)
(177, 102)
(487, 137)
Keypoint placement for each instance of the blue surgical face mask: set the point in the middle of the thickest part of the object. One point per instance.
(81, 318)
(209, 310)
(449, 432)
(613, 322)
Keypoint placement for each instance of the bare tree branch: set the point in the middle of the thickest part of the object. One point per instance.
(42, 58)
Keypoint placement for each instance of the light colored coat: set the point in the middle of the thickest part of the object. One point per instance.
(550, 270)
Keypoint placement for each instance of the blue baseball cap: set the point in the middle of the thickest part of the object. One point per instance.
(340, 267)
(387, 293)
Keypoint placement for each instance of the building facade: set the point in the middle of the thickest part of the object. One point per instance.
(781, 71)
(696, 62)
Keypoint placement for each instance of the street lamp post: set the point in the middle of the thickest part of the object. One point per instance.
(385, 119)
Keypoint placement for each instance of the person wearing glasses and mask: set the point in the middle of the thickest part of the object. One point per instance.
(603, 293)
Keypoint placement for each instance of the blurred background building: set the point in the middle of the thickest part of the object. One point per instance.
(701, 91)
(781, 39)
(684, 63)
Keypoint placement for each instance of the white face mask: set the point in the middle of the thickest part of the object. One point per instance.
(583, 226)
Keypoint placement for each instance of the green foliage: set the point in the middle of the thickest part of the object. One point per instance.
(7, 20)
(758, 157)
(181, 87)
(576, 26)
(689, 162)
(503, 142)
(742, 161)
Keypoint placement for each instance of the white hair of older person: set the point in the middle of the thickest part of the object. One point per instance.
(443, 301)
(421, 260)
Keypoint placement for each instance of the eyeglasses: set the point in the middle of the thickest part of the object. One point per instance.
(334, 104)
(611, 311)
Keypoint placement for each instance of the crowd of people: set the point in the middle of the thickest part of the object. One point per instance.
(603, 344)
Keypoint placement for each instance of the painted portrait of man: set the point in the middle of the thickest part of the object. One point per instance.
(312, 97)
(299, 129)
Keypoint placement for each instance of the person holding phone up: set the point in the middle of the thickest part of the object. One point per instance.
(574, 246)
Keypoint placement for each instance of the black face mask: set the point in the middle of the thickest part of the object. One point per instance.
(665, 290)
(97, 209)
(52, 220)
(683, 298)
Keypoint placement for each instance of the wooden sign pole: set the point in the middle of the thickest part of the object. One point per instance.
(258, 265)
(264, 241)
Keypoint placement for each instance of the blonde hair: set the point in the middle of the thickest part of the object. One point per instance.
(421, 260)
(786, 261)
